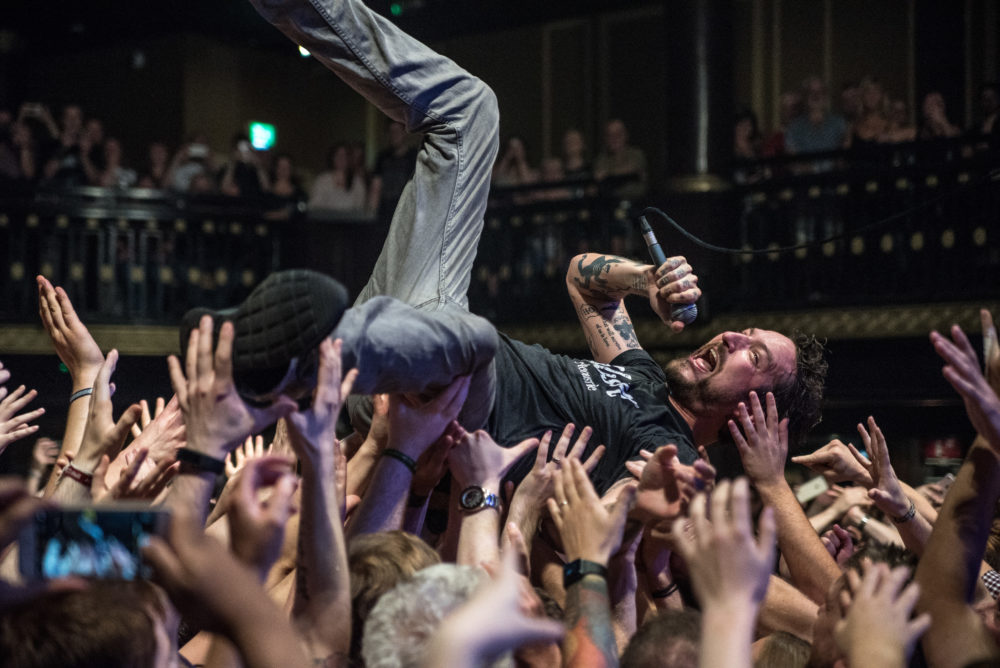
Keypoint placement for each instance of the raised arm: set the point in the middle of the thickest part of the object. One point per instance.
(598, 285)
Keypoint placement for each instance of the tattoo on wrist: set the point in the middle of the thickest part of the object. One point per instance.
(591, 273)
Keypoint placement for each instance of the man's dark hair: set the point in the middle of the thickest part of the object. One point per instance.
(671, 638)
(800, 397)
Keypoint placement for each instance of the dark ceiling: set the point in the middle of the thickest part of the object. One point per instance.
(31, 25)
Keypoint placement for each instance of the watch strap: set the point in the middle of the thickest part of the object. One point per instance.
(578, 569)
(200, 461)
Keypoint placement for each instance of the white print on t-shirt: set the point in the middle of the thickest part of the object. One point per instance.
(611, 375)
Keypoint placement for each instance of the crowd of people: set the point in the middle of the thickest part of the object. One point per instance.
(438, 494)
(867, 119)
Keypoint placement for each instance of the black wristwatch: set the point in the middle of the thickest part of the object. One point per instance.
(476, 498)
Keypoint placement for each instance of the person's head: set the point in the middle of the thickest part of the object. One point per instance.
(378, 562)
(72, 119)
(815, 94)
(112, 151)
(933, 106)
(573, 145)
(899, 113)
(338, 157)
(94, 131)
(514, 149)
(108, 623)
(989, 98)
(782, 650)
(552, 169)
(671, 638)
(789, 106)
(872, 96)
(615, 136)
(850, 100)
(712, 381)
(745, 129)
(283, 168)
(158, 153)
(404, 619)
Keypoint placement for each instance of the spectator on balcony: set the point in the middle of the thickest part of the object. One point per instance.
(339, 189)
(899, 129)
(867, 130)
(818, 129)
(64, 166)
(789, 107)
(18, 155)
(574, 156)
(244, 176)
(393, 168)
(851, 104)
(115, 174)
(286, 191)
(989, 101)
(551, 171)
(192, 159)
(513, 169)
(746, 146)
(618, 159)
(935, 118)
(157, 167)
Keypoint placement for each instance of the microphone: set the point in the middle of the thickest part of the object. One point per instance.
(685, 313)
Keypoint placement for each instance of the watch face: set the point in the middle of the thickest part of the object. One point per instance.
(472, 497)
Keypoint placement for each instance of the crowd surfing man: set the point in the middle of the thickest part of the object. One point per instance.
(410, 329)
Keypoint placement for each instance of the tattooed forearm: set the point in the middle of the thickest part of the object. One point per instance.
(588, 616)
(639, 284)
(587, 311)
(623, 325)
(593, 272)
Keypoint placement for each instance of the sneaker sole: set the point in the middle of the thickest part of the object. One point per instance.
(285, 318)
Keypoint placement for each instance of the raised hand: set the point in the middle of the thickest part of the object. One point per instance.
(73, 343)
(133, 482)
(991, 350)
(313, 431)
(724, 559)
(476, 459)
(539, 484)
(102, 435)
(414, 426)
(257, 527)
(886, 492)
(765, 446)
(14, 427)
(588, 529)
(658, 496)
(962, 370)
(880, 601)
(673, 282)
(838, 543)
(835, 462)
(217, 419)
(252, 448)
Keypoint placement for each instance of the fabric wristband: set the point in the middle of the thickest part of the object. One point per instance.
(576, 570)
(80, 394)
(201, 461)
(666, 592)
(907, 516)
(74, 473)
(401, 457)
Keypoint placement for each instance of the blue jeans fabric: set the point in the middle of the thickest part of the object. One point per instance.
(410, 329)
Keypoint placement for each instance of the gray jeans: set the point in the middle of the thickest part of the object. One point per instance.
(410, 329)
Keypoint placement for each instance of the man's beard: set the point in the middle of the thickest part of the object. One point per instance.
(698, 395)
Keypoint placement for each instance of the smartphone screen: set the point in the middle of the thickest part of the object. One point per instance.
(89, 542)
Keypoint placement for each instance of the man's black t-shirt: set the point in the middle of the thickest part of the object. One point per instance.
(625, 402)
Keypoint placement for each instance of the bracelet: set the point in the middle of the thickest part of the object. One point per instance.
(863, 522)
(81, 477)
(200, 461)
(666, 592)
(907, 516)
(79, 394)
(407, 460)
(576, 570)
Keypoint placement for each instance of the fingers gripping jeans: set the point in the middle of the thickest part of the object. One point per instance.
(410, 329)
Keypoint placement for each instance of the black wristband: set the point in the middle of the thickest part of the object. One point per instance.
(401, 457)
(576, 570)
(201, 461)
(666, 592)
(907, 516)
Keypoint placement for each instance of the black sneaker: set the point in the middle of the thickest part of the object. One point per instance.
(279, 327)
